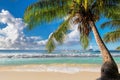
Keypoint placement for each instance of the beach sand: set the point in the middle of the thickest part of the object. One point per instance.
(12, 73)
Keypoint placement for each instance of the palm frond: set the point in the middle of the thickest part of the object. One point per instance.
(61, 31)
(112, 36)
(112, 12)
(58, 35)
(113, 24)
(107, 3)
(84, 40)
(50, 46)
(46, 11)
(79, 1)
(86, 4)
(106, 7)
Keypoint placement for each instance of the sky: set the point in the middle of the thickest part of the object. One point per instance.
(14, 33)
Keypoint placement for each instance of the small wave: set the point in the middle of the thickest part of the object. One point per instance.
(43, 55)
(46, 55)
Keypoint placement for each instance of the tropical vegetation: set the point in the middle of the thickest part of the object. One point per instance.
(84, 13)
(114, 35)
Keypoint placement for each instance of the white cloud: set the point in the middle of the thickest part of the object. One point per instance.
(12, 36)
(73, 37)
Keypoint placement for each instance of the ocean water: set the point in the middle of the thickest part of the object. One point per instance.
(58, 61)
(26, 57)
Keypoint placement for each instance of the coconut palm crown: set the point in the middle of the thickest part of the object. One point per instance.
(78, 12)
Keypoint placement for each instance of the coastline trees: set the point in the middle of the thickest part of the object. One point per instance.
(84, 13)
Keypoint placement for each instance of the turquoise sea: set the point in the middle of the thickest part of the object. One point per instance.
(26, 57)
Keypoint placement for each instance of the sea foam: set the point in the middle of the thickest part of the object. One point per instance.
(55, 68)
(46, 55)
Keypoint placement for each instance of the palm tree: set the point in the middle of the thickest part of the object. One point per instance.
(84, 13)
(114, 35)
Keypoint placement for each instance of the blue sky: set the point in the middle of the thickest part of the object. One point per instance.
(15, 35)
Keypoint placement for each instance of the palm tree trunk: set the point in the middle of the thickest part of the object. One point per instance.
(105, 52)
(109, 70)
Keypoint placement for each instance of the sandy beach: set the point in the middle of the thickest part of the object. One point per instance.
(12, 75)
(23, 73)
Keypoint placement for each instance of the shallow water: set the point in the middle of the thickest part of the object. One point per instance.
(25, 57)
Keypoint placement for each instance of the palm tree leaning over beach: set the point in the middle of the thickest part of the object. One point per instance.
(84, 13)
(114, 35)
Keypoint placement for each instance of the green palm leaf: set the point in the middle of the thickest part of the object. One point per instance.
(45, 11)
(112, 36)
(61, 31)
(50, 46)
(108, 8)
(113, 24)
(58, 35)
(84, 40)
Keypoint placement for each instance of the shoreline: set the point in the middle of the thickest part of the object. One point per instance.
(43, 72)
(62, 68)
